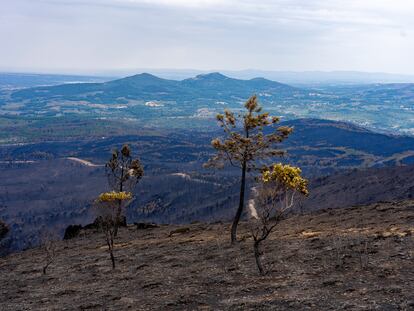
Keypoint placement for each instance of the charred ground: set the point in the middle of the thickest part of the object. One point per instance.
(356, 258)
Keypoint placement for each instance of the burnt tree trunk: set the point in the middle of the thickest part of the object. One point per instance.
(241, 205)
(119, 210)
(257, 255)
(112, 259)
(110, 242)
(44, 269)
(118, 217)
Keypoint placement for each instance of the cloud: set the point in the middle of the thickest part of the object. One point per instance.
(181, 3)
(370, 35)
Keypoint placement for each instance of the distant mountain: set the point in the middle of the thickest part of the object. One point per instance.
(324, 77)
(149, 87)
(221, 83)
(156, 102)
(289, 77)
(394, 91)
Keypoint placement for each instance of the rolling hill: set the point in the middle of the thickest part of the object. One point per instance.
(50, 187)
(358, 187)
(327, 133)
(149, 87)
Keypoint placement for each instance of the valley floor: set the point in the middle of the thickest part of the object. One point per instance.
(357, 258)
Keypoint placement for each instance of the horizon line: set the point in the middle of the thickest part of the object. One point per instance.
(131, 72)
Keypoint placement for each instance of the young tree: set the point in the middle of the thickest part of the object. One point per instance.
(123, 173)
(48, 246)
(107, 206)
(274, 196)
(246, 143)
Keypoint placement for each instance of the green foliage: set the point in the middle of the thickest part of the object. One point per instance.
(285, 177)
(123, 171)
(114, 196)
(245, 141)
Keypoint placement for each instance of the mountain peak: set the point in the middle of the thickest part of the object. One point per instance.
(141, 80)
(211, 76)
(260, 79)
(143, 75)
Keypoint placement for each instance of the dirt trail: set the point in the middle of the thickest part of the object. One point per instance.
(84, 162)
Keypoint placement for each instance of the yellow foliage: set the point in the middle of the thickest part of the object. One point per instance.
(114, 196)
(287, 176)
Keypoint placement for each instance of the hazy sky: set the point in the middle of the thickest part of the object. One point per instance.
(99, 35)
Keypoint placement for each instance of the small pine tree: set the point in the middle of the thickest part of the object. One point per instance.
(246, 143)
(123, 173)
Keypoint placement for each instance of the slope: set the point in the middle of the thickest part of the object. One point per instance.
(343, 259)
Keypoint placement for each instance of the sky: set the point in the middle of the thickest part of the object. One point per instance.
(97, 36)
